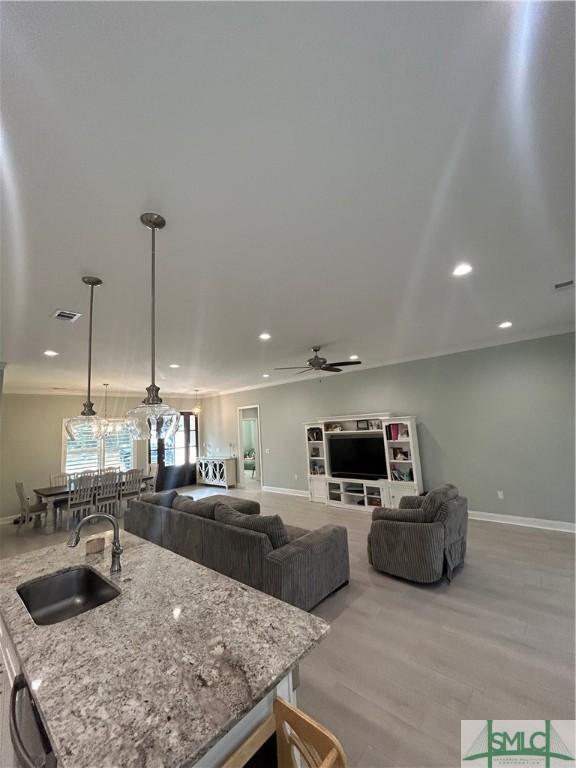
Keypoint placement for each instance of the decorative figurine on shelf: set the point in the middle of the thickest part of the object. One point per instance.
(315, 452)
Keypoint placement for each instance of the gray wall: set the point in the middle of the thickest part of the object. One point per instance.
(500, 418)
(31, 437)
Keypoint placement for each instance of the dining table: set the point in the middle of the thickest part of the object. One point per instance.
(54, 495)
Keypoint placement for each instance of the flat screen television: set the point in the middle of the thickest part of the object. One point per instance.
(357, 456)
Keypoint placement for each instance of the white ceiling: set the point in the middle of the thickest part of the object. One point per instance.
(321, 166)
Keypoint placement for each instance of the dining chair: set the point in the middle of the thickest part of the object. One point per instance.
(58, 479)
(131, 486)
(80, 497)
(150, 484)
(28, 511)
(300, 741)
(108, 493)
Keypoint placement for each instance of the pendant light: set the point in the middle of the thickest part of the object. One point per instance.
(88, 426)
(197, 409)
(153, 418)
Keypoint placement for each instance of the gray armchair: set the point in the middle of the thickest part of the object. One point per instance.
(424, 539)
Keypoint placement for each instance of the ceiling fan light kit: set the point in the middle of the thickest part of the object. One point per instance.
(153, 418)
(88, 426)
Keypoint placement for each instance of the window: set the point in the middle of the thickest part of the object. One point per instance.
(182, 448)
(116, 450)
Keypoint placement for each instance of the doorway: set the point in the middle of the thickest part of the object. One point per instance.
(249, 447)
(176, 456)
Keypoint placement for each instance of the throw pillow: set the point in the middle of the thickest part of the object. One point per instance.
(271, 525)
(161, 499)
(202, 507)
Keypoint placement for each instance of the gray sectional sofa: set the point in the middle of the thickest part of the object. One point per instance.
(228, 535)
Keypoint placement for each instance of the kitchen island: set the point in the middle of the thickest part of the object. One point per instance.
(173, 672)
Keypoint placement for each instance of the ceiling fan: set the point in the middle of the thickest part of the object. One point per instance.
(317, 363)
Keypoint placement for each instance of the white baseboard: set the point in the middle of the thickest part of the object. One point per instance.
(527, 522)
(8, 520)
(286, 491)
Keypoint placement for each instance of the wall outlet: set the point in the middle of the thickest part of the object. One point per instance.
(267, 450)
(500, 495)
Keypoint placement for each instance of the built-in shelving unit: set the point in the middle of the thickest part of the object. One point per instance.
(400, 466)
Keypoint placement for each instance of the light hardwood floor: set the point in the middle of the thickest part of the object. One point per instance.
(403, 664)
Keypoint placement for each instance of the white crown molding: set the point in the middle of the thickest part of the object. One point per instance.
(519, 337)
(510, 339)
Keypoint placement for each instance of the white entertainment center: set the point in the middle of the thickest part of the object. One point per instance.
(391, 468)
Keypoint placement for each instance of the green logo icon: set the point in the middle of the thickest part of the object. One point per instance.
(544, 743)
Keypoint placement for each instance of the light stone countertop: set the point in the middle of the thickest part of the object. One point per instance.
(158, 675)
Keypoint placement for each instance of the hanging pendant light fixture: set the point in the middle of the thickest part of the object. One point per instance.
(153, 418)
(88, 425)
(197, 409)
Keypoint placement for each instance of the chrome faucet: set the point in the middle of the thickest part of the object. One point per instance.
(116, 547)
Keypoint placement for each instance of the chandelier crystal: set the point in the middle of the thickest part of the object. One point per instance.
(88, 426)
(197, 410)
(153, 418)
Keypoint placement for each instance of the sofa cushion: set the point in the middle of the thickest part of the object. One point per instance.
(200, 507)
(294, 532)
(434, 500)
(271, 525)
(246, 506)
(161, 499)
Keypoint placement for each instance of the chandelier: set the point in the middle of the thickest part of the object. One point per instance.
(196, 410)
(88, 426)
(153, 418)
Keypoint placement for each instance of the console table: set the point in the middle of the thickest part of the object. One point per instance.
(216, 471)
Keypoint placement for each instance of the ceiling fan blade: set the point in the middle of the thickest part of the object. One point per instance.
(348, 362)
(292, 368)
(306, 370)
(331, 368)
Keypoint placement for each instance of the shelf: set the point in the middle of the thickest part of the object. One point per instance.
(401, 461)
(354, 432)
(353, 493)
(315, 442)
(400, 440)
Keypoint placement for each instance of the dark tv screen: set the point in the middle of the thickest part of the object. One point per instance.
(357, 456)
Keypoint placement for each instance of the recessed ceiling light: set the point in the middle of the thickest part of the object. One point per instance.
(264, 336)
(353, 357)
(505, 324)
(265, 375)
(174, 365)
(51, 353)
(462, 269)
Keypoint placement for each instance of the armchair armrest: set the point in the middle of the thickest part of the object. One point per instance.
(309, 568)
(401, 515)
(411, 502)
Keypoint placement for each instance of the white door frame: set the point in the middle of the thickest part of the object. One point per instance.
(239, 410)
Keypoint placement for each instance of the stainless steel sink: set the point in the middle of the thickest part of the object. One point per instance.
(54, 598)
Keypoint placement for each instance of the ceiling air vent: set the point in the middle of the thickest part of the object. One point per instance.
(563, 285)
(66, 314)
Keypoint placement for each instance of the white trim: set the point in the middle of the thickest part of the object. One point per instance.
(527, 522)
(240, 480)
(285, 491)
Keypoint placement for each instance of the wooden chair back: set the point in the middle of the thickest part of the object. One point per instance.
(132, 481)
(24, 503)
(108, 486)
(298, 733)
(58, 479)
(82, 491)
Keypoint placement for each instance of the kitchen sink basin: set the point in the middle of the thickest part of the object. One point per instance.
(62, 595)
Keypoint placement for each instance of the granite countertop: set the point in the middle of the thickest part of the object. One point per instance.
(158, 675)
